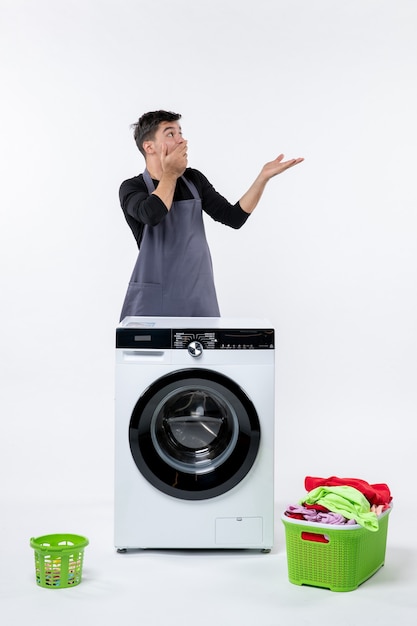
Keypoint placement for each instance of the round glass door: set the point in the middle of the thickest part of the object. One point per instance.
(194, 434)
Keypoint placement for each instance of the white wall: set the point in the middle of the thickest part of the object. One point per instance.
(329, 255)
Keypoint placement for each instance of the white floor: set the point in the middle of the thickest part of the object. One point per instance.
(155, 587)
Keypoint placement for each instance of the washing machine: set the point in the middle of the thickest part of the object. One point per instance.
(194, 433)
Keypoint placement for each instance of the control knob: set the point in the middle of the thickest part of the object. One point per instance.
(195, 348)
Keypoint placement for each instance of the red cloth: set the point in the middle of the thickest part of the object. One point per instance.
(375, 494)
(314, 537)
(316, 507)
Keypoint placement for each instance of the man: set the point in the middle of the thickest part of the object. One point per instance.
(173, 275)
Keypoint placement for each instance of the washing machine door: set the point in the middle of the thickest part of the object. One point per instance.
(194, 434)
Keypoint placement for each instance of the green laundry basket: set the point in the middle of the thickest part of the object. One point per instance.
(58, 560)
(337, 557)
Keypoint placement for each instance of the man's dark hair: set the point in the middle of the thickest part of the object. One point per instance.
(147, 125)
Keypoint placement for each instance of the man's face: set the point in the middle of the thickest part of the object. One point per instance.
(169, 134)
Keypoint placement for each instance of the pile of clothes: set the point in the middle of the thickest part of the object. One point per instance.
(336, 500)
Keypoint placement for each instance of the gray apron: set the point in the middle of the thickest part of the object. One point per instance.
(173, 274)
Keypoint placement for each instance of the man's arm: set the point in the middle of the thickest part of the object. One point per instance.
(251, 198)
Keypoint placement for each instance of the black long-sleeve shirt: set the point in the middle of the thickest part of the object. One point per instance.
(142, 208)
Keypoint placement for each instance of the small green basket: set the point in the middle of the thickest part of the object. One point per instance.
(59, 560)
(339, 558)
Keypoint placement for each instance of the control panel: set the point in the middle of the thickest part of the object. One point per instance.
(180, 339)
(225, 339)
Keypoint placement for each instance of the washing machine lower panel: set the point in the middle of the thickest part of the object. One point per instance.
(241, 518)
